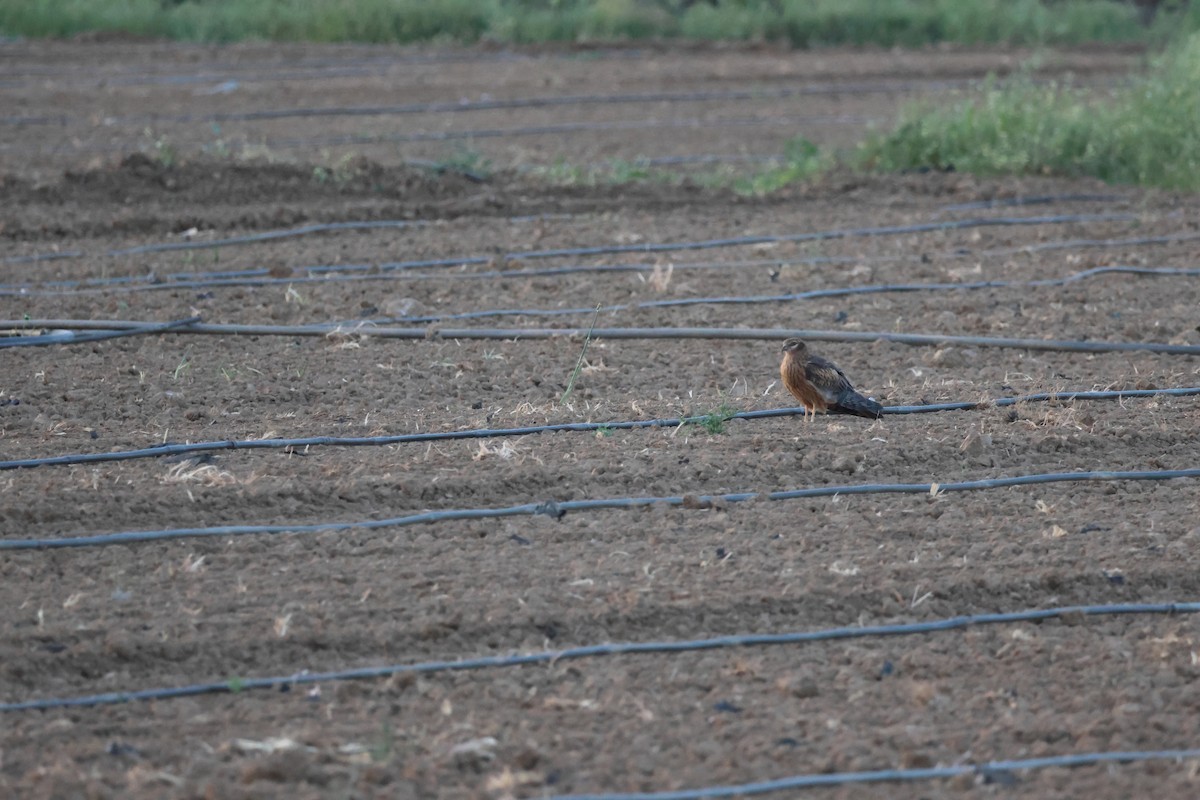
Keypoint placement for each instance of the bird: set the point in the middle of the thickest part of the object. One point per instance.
(820, 386)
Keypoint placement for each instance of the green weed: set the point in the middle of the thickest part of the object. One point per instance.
(183, 366)
(384, 744)
(802, 159)
(466, 161)
(1144, 134)
(714, 421)
(803, 23)
(164, 152)
(579, 363)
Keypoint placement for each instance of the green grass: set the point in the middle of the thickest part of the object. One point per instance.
(1146, 133)
(714, 421)
(802, 159)
(614, 172)
(803, 23)
(582, 354)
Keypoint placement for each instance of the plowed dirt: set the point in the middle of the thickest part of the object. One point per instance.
(111, 151)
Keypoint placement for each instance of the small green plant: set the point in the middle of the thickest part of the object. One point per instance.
(184, 365)
(622, 171)
(802, 159)
(560, 173)
(219, 147)
(235, 684)
(164, 152)
(346, 168)
(714, 421)
(339, 171)
(466, 161)
(291, 295)
(384, 744)
(579, 363)
(614, 172)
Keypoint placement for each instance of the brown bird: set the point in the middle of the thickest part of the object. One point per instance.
(820, 386)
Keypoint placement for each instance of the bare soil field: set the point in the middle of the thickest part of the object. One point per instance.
(156, 182)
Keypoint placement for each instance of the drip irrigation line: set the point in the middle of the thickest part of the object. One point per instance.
(557, 129)
(351, 273)
(256, 72)
(811, 294)
(382, 332)
(63, 336)
(545, 101)
(308, 68)
(175, 449)
(303, 69)
(844, 233)
(209, 244)
(991, 771)
(565, 128)
(253, 238)
(1047, 199)
(713, 158)
(570, 252)
(553, 101)
(558, 509)
(611, 649)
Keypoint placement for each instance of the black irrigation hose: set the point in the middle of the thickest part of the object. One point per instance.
(529, 255)
(1036, 200)
(550, 101)
(161, 450)
(563, 129)
(556, 510)
(609, 649)
(209, 244)
(252, 238)
(559, 129)
(73, 337)
(811, 294)
(844, 233)
(990, 772)
(307, 68)
(379, 332)
(556, 101)
(384, 272)
(713, 158)
(376, 224)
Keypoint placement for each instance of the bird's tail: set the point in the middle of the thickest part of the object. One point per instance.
(855, 403)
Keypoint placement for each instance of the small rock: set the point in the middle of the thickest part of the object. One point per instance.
(844, 463)
(1072, 618)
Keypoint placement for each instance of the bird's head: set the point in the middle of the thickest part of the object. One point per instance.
(796, 347)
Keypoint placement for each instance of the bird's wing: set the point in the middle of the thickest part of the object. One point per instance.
(830, 381)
